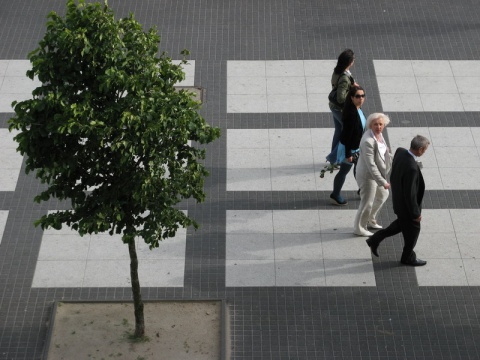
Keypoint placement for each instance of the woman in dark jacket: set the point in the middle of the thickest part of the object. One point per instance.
(348, 148)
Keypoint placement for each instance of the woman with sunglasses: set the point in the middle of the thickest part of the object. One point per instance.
(354, 122)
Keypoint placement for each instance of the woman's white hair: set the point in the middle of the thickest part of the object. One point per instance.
(375, 116)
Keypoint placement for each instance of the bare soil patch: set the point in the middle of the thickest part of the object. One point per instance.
(180, 330)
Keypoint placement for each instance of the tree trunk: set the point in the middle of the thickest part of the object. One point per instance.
(137, 296)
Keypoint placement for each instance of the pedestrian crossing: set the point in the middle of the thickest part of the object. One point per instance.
(289, 247)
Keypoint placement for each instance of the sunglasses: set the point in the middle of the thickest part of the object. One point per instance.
(358, 96)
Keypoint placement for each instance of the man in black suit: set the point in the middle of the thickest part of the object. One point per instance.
(408, 188)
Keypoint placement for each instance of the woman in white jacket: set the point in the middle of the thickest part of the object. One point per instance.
(374, 163)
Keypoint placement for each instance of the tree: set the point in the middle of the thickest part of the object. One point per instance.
(108, 131)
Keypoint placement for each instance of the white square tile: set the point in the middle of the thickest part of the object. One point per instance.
(436, 221)
(162, 273)
(287, 103)
(6, 139)
(460, 67)
(284, 68)
(318, 102)
(462, 221)
(322, 137)
(249, 273)
(349, 272)
(18, 85)
(468, 84)
(3, 222)
(47, 274)
(441, 272)
(401, 137)
(171, 248)
(293, 179)
(299, 273)
(288, 85)
(7, 99)
(64, 247)
(247, 85)
(8, 179)
(249, 247)
(446, 102)
(471, 102)
(10, 159)
(445, 136)
(469, 245)
(433, 179)
(248, 159)
(453, 179)
(319, 85)
(249, 180)
(452, 157)
(444, 85)
(296, 222)
(247, 139)
(401, 102)
(399, 68)
(107, 247)
(108, 273)
(189, 70)
(432, 68)
(437, 245)
(475, 131)
(298, 246)
(249, 221)
(243, 68)
(3, 67)
(246, 104)
(18, 67)
(336, 222)
(323, 68)
(283, 139)
(472, 269)
(345, 246)
(397, 85)
(290, 157)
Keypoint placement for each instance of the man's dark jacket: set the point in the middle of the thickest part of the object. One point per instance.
(407, 185)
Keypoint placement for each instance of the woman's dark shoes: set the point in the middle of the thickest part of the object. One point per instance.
(416, 262)
(373, 247)
(337, 200)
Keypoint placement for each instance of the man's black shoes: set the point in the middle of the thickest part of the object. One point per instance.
(372, 246)
(416, 262)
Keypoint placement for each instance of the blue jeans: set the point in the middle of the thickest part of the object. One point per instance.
(337, 123)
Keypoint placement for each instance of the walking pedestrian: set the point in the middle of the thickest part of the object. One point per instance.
(408, 187)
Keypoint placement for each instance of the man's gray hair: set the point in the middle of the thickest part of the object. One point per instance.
(418, 142)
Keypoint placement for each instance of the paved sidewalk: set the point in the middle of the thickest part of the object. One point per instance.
(298, 283)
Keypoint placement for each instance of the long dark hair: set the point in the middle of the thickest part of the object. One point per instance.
(344, 59)
(351, 93)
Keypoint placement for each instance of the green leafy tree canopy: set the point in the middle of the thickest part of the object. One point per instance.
(108, 130)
